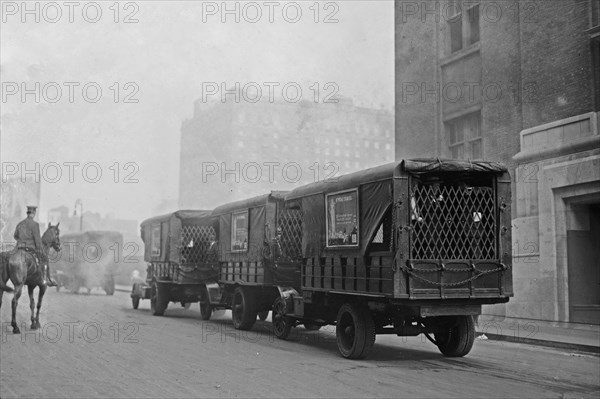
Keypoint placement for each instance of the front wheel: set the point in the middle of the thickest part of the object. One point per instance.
(160, 299)
(355, 331)
(456, 338)
(243, 309)
(282, 324)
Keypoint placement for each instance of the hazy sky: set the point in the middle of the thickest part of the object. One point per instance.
(162, 61)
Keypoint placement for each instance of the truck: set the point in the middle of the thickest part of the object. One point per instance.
(180, 249)
(408, 248)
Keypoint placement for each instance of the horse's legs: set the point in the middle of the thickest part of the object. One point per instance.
(30, 289)
(41, 292)
(15, 302)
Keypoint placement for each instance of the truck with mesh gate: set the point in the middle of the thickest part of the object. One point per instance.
(408, 248)
(180, 249)
(249, 279)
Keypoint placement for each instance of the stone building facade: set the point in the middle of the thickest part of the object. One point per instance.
(516, 82)
(231, 151)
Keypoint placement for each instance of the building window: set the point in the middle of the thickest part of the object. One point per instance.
(376, 145)
(473, 24)
(464, 31)
(366, 144)
(464, 137)
(455, 25)
(595, 47)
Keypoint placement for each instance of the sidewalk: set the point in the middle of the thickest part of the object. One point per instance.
(574, 336)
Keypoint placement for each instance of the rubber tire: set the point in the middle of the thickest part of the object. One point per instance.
(355, 331)
(282, 325)
(160, 299)
(262, 316)
(205, 308)
(243, 309)
(135, 301)
(457, 340)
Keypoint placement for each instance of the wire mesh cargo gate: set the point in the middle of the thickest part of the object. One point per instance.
(453, 241)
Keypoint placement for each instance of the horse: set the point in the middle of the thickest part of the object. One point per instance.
(22, 269)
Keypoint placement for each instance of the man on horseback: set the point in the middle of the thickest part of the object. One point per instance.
(28, 238)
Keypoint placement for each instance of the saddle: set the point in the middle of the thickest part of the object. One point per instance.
(32, 252)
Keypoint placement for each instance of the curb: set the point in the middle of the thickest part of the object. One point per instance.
(589, 349)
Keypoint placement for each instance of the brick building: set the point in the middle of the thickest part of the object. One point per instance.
(231, 151)
(516, 82)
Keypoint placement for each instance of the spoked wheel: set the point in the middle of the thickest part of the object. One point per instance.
(457, 337)
(160, 299)
(355, 331)
(243, 309)
(205, 308)
(282, 324)
(262, 316)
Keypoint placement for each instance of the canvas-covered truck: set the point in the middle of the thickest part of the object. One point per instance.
(249, 280)
(90, 260)
(181, 251)
(407, 248)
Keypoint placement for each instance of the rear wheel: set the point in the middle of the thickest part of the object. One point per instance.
(355, 331)
(205, 308)
(282, 324)
(160, 299)
(243, 309)
(456, 337)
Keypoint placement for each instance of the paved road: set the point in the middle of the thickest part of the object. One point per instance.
(98, 346)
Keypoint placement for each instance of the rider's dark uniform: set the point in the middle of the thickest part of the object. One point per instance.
(27, 235)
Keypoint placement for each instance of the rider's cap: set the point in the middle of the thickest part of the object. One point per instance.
(31, 209)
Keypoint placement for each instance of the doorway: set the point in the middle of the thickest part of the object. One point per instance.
(583, 257)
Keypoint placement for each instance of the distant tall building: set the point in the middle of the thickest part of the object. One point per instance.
(516, 82)
(231, 151)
